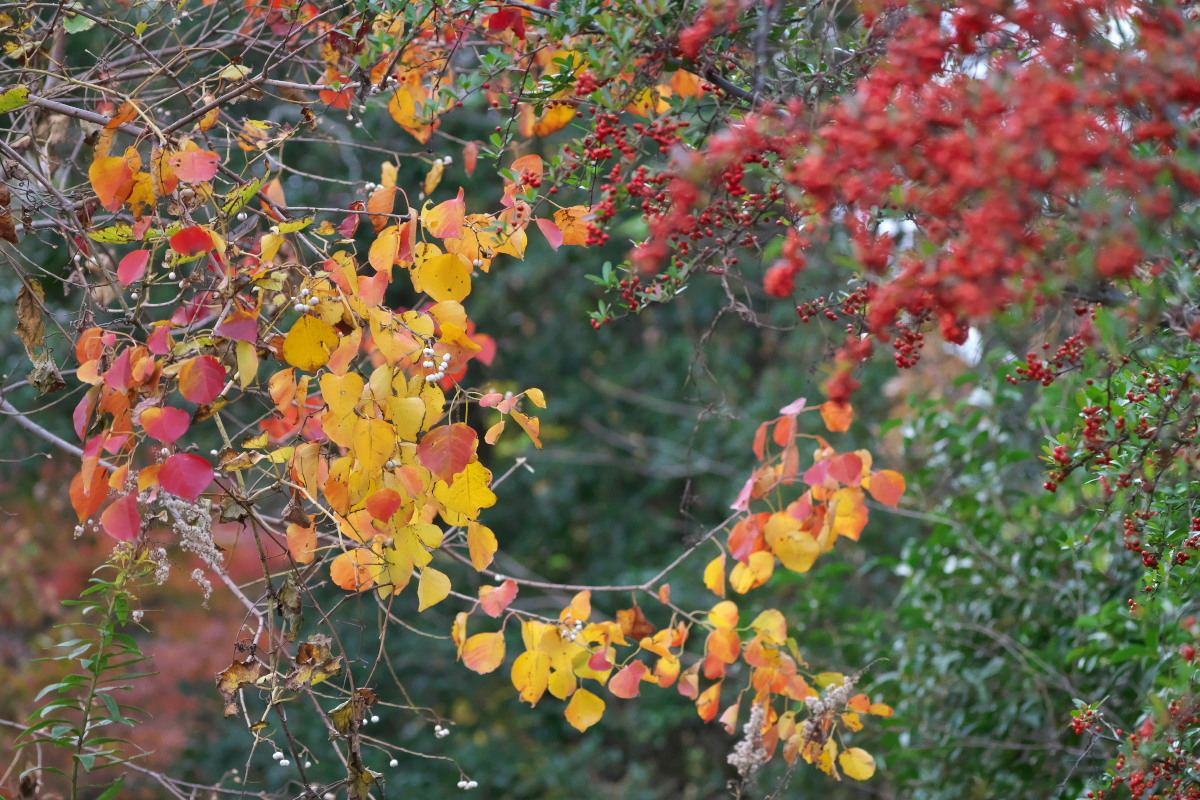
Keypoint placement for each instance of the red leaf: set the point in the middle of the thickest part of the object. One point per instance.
(201, 379)
(446, 451)
(383, 504)
(185, 475)
(494, 599)
(133, 266)
(195, 166)
(239, 325)
(627, 683)
(166, 424)
(121, 520)
(192, 241)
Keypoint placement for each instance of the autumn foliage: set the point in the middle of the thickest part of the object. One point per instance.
(308, 373)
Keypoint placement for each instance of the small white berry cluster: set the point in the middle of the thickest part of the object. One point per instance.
(373, 718)
(306, 301)
(431, 363)
(440, 732)
(278, 756)
(465, 784)
(571, 630)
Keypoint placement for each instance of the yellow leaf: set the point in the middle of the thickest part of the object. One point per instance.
(484, 652)
(341, 394)
(384, 249)
(714, 576)
(432, 588)
(408, 415)
(247, 362)
(468, 495)
(434, 177)
(752, 574)
(531, 675)
(483, 545)
(234, 72)
(444, 277)
(406, 107)
(309, 343)
(393, 571)
(374, 443)
(536, 396)
(796, 548)
(584, 710)
(857, 764)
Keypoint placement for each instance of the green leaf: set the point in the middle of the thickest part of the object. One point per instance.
(236, 200)
(113, 790)
(77, 23)
(14, 98)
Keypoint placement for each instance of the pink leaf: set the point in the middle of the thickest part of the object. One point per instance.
(160, 342)
(743, 499)
(627, 682)
(195, 166)
(133, 267)
(185, 475)
(121, 520)
(494, 599)
(240, 325)
(551, 231)
(794, 407)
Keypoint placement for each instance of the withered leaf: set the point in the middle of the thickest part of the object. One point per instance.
(350, 714)
(288, 603)
(634, 624)
(236, 676)
(44, 376)
(314, 663)
(294, 512)
(359, 781)
(8, 226)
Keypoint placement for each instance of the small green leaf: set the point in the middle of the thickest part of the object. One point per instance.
(14, 98)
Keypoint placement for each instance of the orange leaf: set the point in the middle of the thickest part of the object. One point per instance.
(484, 652)
(353, 570)
(381, 203)
(574, 223)
(302, 542)
(708, 703)
(886, 486)
(837, 415)
(112, 179)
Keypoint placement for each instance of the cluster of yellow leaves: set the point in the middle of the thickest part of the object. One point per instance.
(794, 535)
(558, 657)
